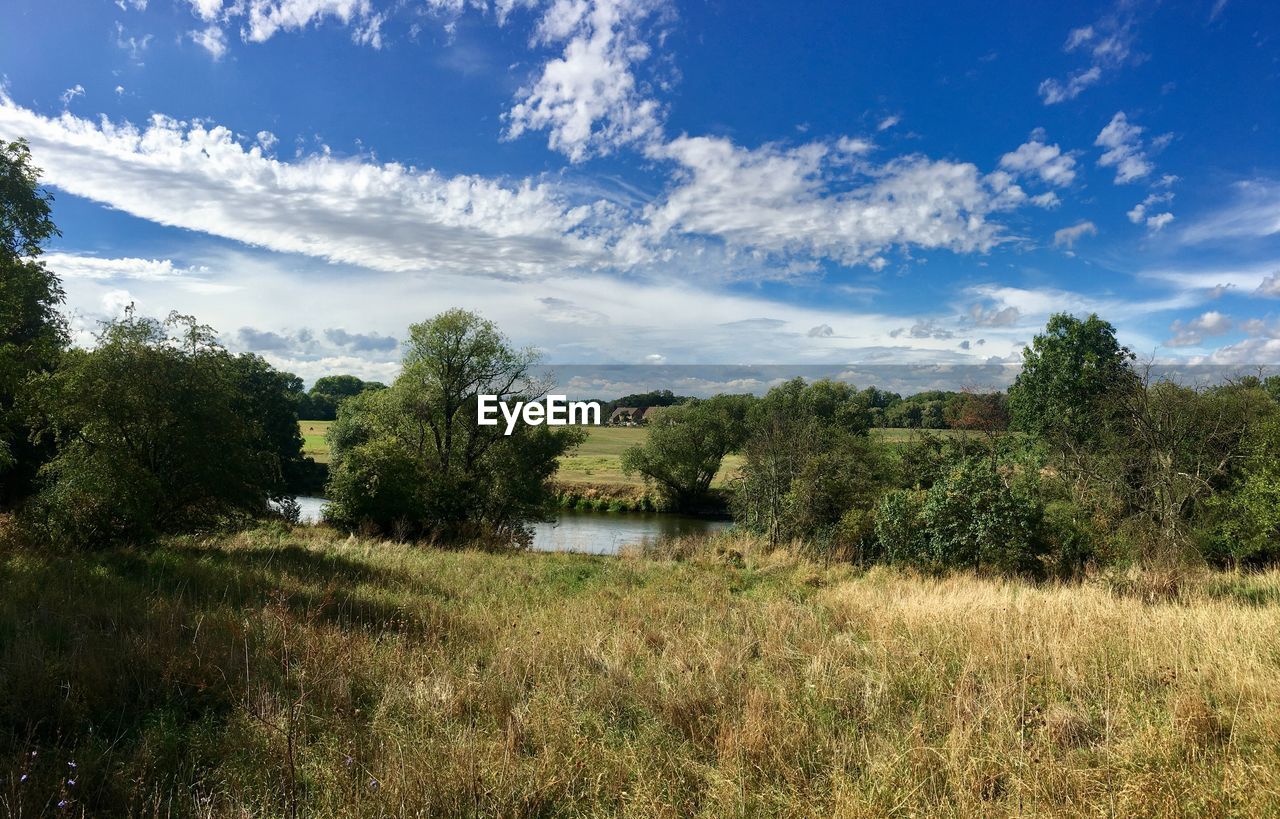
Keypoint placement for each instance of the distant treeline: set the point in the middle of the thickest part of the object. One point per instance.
(933, 409)
(320, 403)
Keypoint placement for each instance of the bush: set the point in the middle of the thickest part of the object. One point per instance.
(160, 430)
(974, 518)
(898, 528)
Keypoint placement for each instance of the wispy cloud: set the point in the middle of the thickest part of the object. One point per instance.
(1108, 45)
(1254, 213)
(1068, 236)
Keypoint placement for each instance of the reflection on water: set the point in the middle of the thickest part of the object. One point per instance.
(605, 533)
(597, 533)
(310, 510)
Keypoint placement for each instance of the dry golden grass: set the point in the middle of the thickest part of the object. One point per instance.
(345, 677)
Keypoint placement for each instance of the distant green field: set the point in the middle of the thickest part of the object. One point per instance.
(599, 459)
(314, 445)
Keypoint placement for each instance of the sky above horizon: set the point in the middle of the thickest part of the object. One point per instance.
(653, 181)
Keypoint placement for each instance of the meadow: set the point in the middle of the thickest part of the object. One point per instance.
(304, 673)
(598, 461)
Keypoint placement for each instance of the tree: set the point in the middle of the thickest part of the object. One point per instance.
(321, 402)
(807, 461)
(974, 518)
(32, 332)
(686, 445)
(413, 460)
(271, 398)
(159, 430)
(1068, 375)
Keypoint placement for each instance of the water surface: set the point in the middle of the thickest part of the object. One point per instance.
(596, 533)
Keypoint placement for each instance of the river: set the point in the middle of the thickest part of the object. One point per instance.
(597, 533)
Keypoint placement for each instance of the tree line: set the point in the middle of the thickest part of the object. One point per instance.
(1104, 465)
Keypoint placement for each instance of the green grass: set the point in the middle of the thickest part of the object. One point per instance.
(307, 673)
(599, 460)
(314, 445)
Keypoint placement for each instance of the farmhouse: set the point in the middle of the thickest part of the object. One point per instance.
(627, 416)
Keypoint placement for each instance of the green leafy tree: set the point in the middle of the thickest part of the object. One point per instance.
(898, 528)
(1070, 376)
(686, 445)
(157, 432)
(271, 398)
(32, 332)
(412, 459)
(321, 402)
(807, 461)
(975, 518)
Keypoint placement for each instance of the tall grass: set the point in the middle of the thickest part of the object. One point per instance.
(303, 673)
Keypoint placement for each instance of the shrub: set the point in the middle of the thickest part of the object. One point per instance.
(898, 528)
(974, 518)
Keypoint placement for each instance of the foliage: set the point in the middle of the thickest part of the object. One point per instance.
(160, 430)
(412, 459)
(32, 332)
(654, 398)
(898, 529)
(807, 461)
(686, 445)
(1069, 375)
(321, 402)
(1243, 521)
(974, 518)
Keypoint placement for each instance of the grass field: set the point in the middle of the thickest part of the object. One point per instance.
(599, 460)
(312, 674)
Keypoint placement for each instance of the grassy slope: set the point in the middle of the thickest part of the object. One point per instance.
(416, 682)
(598, 461)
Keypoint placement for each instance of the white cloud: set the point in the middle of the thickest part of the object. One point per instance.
(888, 122)
(1054, 91)
(1046, 161)
(1193, 332)
(1255, 213)
(71, 93)
(1068, 236)
(821, 331)
(132, 44)
(1159, 220)
(589, 99)
(1270, 286)
(260, 20)
(1139, 213)
(380, 216)
(779, 200)
(1124, 152)
(75, 266)
(206, 9)
(1108, 44)
(212, 39)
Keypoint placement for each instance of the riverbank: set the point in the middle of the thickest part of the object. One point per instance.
(278, 669)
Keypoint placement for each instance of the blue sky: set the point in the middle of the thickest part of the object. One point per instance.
(632, 181)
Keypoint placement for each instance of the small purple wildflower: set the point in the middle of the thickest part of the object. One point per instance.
(63, 803)
(22, 778)
(348, 762)
(71, 764)
(71, 782)
(374, 784)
